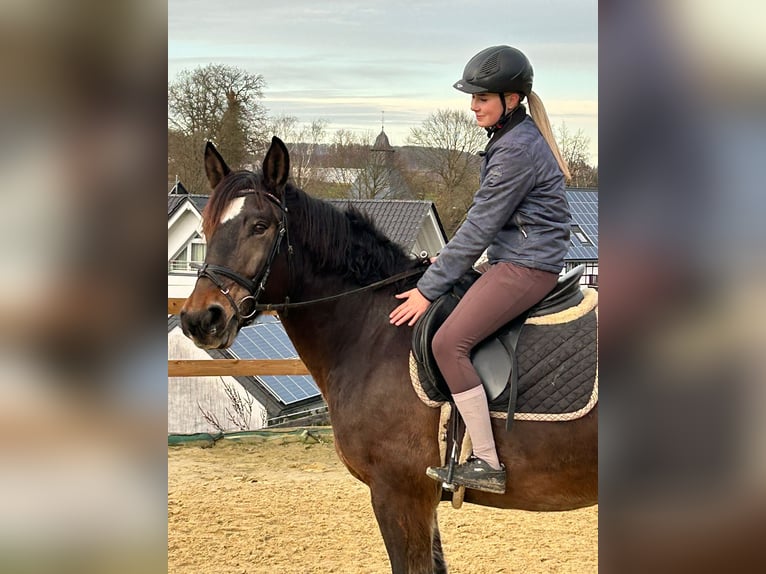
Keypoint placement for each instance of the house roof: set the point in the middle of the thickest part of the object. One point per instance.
(175, 201)
(399, 220)
(179, 189)
(583, 203)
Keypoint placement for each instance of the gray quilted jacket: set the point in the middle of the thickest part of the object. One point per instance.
(520, 212)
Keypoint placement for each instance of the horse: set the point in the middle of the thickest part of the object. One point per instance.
(331, 275)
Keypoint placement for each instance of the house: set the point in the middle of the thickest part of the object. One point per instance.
(415, 225)
(185, 242)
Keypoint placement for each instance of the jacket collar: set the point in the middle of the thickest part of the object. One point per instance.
(506, 124)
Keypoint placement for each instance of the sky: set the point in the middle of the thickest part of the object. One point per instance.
(361, 64)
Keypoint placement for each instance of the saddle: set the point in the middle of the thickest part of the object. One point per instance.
(495, 358)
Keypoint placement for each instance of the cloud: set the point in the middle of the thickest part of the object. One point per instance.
(346, 61)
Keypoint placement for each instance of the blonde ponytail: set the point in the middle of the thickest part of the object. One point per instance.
(540, 117)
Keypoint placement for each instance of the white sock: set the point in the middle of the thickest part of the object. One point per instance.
(474, 409)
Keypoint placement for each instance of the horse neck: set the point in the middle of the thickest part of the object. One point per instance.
(326, 334)
(328, 244)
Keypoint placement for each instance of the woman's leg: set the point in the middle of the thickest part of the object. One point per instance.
(499, 295)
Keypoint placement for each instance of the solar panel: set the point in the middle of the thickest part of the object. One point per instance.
(584, 207)
(266, 339)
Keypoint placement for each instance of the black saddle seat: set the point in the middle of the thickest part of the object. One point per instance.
(565, 294)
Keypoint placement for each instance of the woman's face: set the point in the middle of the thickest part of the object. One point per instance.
(489, 108)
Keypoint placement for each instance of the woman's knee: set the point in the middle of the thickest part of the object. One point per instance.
(443, 346)
(447, 346)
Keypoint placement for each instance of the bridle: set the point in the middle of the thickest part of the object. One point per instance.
(257, 284)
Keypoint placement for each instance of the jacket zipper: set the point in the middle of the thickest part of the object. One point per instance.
(517, 221)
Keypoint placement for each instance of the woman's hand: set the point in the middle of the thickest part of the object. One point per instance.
(414, 306)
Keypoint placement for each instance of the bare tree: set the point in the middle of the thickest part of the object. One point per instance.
(355, 167)
(346, 156)
(574, 149)
(339, 164)
(239, 415)
(348, 150)
(374, 178)
(185, 161)
(446, 146)
(218, 103)
(302, 141)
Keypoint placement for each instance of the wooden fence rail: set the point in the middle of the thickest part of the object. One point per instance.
(229, 367)
(235, 367)
(174, 305)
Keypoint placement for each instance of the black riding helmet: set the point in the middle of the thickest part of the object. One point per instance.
(499, 69)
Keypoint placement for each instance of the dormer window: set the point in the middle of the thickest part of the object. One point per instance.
(192, 252)
(580, 235)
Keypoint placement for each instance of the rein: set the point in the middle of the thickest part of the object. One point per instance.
(256, 285)
(387, 281)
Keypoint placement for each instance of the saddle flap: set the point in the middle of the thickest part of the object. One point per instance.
(493, 363)
(423, 333)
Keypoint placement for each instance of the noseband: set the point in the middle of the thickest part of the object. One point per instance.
(257, 284)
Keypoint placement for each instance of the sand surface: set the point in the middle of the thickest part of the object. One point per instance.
(279, 507)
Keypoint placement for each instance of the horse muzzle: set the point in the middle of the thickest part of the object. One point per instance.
(209, 328)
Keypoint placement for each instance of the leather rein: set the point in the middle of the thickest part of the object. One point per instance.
(257, 284)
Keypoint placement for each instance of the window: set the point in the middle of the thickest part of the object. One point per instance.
(580, 235)
(192, 252)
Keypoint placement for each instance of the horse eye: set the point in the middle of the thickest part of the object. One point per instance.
(258, 229)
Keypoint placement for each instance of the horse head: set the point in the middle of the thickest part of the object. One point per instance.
(244, 224)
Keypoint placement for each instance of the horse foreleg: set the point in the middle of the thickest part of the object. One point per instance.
(440, 565)
(407, 523)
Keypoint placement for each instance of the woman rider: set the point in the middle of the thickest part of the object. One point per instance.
(521, 216)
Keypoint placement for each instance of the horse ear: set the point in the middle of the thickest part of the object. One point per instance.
(276, 164)
(215, 168)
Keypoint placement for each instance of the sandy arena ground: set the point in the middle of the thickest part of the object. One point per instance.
(292, 508)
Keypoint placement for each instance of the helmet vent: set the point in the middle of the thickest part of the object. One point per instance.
(490, 65)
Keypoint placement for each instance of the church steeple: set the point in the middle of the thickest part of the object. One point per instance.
(381, 142)
(382, 177)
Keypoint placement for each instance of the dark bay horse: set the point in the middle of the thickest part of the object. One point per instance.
(269, 242)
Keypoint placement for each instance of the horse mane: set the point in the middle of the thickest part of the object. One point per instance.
(346, 242)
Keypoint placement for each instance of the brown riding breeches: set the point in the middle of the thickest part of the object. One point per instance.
(499, 295)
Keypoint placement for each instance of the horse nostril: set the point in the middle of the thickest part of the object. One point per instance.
(214, 319)
(184, 318)
(203, 323)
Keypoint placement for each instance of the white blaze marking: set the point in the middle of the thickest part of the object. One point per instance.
(233, 210)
